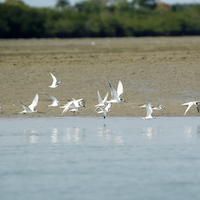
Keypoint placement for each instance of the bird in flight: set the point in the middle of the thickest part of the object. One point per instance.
(116, 94)
(54, 83)
(55, 101)
(31, 107)
(190, 104)
(149, 111)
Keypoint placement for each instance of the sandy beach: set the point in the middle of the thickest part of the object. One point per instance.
(160, 70)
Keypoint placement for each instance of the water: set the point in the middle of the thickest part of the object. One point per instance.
(83, 158)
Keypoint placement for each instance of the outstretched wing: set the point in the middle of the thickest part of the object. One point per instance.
(99, 98)
(66, 107)
(120, 89)
(53, 98)
(105, 98)
(114, 94)
(58, 82)
(189, 105)
(76, 102)
(149, 110)
(54, 79)
(34, 102)
(25, 107)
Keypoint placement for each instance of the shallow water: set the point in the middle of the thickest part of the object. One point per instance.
(92, 158)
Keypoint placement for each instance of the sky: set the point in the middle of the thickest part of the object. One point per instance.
(51, 3)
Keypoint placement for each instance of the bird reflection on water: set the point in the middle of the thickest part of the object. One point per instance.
(74, 134)
(192, 131)
(126, 150)
(30, 136)
(109, 135)
(54, 135)
(149, 132)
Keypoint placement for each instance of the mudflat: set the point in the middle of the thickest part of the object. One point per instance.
(159, 70)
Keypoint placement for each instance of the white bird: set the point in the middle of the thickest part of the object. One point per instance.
(158, 107)
(102, 103)
(105, 110)
(149, 111)
(31, 107)
(67, 107)
(55, 101)
(54, 83)
(190, 104)
(78, 103)
(74, 104)
(75, 110)
(116, 95)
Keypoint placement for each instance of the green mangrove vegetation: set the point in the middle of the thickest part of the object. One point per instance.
(98, 18)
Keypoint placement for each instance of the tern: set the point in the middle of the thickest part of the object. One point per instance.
(54, 83)
(149, 111)
(190, 104)
(116, 95)
(75, 110)
(55, 101)
(78, 103)
(73, 105)
(67, 107)
(105, 110)
(158, 107)
(31, 107)
(102, 103)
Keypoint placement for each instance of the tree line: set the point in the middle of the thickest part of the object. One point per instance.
(96, 19)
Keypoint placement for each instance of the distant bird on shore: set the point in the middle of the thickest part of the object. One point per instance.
(149, 111)
(55, 101)
(190, 104)
(116, 94)
(54, 83)
(31, 107)
(158, 107)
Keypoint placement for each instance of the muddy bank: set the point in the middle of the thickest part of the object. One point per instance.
(159, 70)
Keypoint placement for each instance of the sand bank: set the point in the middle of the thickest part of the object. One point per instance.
(160, 70)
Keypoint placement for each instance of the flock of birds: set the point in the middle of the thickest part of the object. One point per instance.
(103, 107)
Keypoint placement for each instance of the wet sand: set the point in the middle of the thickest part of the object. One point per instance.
(160, 70)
